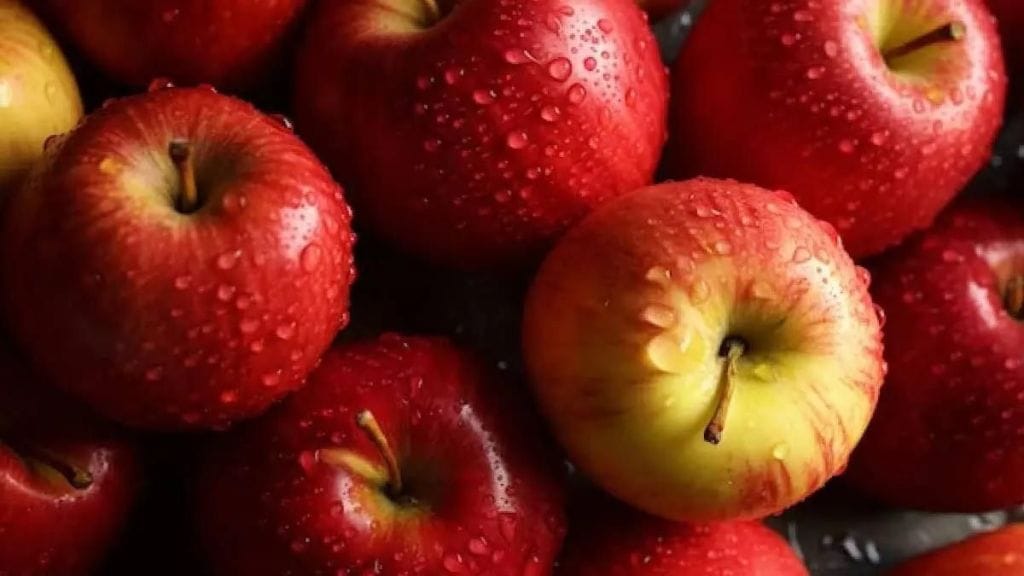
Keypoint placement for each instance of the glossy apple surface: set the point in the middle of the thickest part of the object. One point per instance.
(170, 316)
(832, 102)
(231, 44)
(1000, 553)
(476, 134)
(308, 490)
(66, 481)
(949, 431)
(38, 94)
(704, 350)
(608, 539)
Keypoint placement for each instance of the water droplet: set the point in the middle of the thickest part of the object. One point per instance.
(431, 144)
(802, 16)
(285, 331)
(271, 379)
(248, 325)
(659, 315)
(484, 97)
(550, 114)
(605, 26)
(311, 257)
(801, 255)
(780, 451)
(788, 39)
(228, 260)
(847, 146)
(879, 138)
(815, 72)
(518, 56)
(590, 63)
(577, 93)
(517, 140)
(560, 69)
(228, 397)
(182, 282)
(452, 75)
(631, 98)
(159, 84)
(721, 247)
(225, 292)
(831, 49)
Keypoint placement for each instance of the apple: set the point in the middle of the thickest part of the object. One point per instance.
(472, 134)
(949, 431)
(1010, 14)
(66, 480)
(183, 261)
(229, 43)
(999, 553)
(38, 94)
(704, 350)
(608, 539)
(401, 456)
(873, 114)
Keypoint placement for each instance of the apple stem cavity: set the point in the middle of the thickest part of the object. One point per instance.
(77, 478)
(950, 32)
(731, 350)
(1013, 297)
(369, 424)
(181, 153)
(433, 11)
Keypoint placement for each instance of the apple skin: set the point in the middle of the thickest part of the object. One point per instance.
(609, 539)
(999, 553)
(166, 320)
(623, 330)
(476, 141)
(949, 431)
(810, 106)
(231, 44)
(48, 527)
(38, 94)
(1010, 14)
(488, 495)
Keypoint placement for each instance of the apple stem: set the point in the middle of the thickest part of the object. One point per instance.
(951, 32)
(181, 154)
(369, 424)
(732, 349)
(78, 478)
(1013, 297)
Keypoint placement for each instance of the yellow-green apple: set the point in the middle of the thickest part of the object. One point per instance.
(67, 481)
(227, 43)
(873, 113)
(705, 350)
(999, 553)
(38, 94)
(473, 133)
(949, 431)
(401, 456)
(182, 260)
(608, 539)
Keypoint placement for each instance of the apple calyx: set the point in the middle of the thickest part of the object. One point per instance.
(730, 351)
(949, 32)
(181, 154)
(1013, 297)
(77, 478)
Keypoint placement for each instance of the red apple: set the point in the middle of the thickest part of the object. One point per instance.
(949, 431)
(474, 133)
(228, 43)
(400, 457)
(1010, 14)
(999, 553)
(705, 350)
(66, 481)
(183, 260)
(608, 539)
(873, 113)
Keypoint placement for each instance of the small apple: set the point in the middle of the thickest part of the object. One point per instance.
(999, 553)
(183, 261)
(474, 133)
(401, 456)
(874, 114)
(949, 431)
(608, 539)
(38, 94)
(66, 481)
(228, 43)
(704, 350)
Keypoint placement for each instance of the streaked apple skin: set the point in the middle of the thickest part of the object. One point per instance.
(47, 526)
(999, 553)
(607, 538)
(231, 44)
(949, 431)
(811, 107)
(168, 320)
(477, 141)
(38, 94)
(622, 332)
(489, 497)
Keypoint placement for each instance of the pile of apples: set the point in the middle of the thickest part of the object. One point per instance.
(177, 267)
